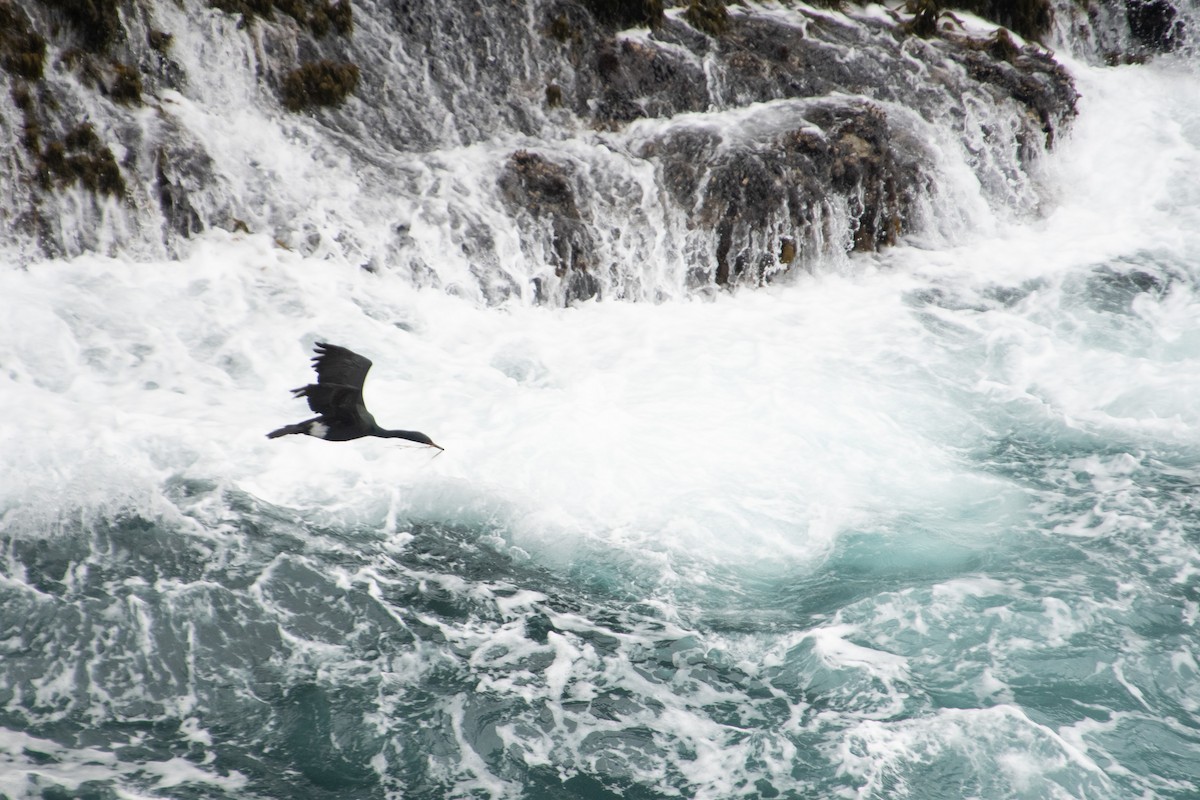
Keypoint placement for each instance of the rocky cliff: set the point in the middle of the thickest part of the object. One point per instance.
(541, 150)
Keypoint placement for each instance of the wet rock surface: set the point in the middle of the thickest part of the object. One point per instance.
(770, 197)
(775, 133)
(540, 195)
(1155, 24)
(773, 197)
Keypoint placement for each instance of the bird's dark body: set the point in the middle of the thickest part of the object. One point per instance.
(337, 398)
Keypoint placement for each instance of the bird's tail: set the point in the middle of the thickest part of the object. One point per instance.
(299, 427)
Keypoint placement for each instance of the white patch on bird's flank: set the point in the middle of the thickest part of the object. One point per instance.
(318, 429)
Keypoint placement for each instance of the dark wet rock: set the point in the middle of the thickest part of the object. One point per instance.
(478, 244)
(759, 59)
(626, 13)
(80, 157)
(708, 16)
(541, 196)
(59, 158)
(319, 83)
(772, 190)
(1029, 18)
(178, 175)
(118, 81)
(777, 134)
(796, 179)
(22, 49)
(1155, 24)
(95, 23)
(1028, 75)
(620, 79)
(319, 17)
(1126, 31)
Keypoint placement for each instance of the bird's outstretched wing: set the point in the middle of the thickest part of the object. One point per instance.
(332, 400)
(337, 394)
(340, 366)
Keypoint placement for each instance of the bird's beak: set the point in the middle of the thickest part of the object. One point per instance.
(438, 446)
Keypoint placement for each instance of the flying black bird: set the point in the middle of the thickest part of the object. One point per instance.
(337, 397)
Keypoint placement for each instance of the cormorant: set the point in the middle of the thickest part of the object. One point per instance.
(337, 397)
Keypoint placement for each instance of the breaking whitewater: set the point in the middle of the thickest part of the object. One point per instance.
(913, 516)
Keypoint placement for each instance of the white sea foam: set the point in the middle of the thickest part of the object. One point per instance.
(750, 427)
(28, 763)
(1007, 752)
(738, 428)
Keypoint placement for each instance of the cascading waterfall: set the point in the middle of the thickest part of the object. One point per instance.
(819, 402)
(463, 115)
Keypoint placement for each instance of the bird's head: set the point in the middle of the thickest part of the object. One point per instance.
(423, 439)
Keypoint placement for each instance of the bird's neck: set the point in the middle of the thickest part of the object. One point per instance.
(412, 436)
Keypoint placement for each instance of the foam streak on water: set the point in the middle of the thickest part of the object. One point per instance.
(923, 524)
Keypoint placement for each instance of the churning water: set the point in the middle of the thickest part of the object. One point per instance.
(923, 524)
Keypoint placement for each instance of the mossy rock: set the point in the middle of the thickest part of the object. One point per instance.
(559, 28)
(80, 157)
(31, 131)
(116, 80)
(535, 184)
(125, 86)
(22, 50)
(787, 250)
(331, 16)
(924, 20)
(97, 22)
(159, 41)
(320, 16)
(1001, 46)
(708, 16)
(319, 83)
